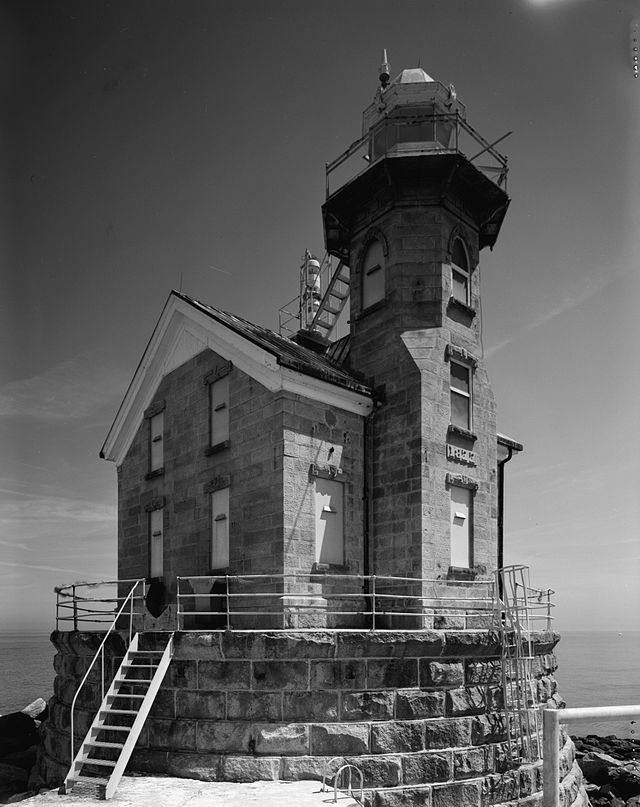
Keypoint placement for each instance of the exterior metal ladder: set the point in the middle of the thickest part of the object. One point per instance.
(334, 299)
(517, 658)
(101, 759)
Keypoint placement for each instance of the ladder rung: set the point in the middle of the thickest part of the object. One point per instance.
(343, 278)
(119, 711)
(330, 310)
(147, 652)
(133, 680)
(134, 664)
(338, 295)
(124, 695)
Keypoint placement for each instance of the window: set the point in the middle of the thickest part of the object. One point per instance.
(329, 522)
(156, 453)
(460, 273)
(156, 542)
(220, 529)
(219, 411)
(461, 400)
(461, 527)
(373, 275)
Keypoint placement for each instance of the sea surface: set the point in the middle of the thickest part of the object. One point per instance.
(596, 669)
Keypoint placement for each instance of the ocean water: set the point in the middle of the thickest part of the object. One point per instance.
(26, 670)
(596, 669)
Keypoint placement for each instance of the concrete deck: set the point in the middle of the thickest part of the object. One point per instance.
(151, 791)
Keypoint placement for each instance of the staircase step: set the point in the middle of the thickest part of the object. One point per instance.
(90, 780)
(105, 727)
(100, 763)
(338, 294)
(102, 744)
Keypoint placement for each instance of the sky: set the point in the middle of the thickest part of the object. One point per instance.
(147, 145)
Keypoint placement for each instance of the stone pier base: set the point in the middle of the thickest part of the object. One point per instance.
(419, 714)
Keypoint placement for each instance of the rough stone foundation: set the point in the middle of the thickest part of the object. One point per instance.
(418, 713)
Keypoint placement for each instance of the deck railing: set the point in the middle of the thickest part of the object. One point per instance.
(310, 602)
(88, 606)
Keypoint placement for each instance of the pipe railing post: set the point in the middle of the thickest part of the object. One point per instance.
(228, 603)
(551, 757)
(373, 602)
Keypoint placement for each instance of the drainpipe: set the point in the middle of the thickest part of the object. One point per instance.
(501, 464)
(367, 477)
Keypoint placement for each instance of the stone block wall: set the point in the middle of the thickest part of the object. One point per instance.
(418, 713)
(403, 345)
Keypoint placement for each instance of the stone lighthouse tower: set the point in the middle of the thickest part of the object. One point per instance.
(411, 227)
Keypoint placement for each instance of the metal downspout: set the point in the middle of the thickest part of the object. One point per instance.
(501, 517)
(367, 476)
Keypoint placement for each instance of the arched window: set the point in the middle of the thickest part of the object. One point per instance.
(373, 274)
(460, 285)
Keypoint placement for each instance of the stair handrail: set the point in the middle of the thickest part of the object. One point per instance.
(100, 652)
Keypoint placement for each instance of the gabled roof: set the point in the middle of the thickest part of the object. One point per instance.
(288, 353)
(187, 327)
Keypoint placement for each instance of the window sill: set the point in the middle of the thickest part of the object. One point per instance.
(461, 573)
(154, 474)
(460, 306)
(371, 308)
(462, 432)
(328, 568)
(217, 448)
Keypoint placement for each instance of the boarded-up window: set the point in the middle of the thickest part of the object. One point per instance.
(329, 521)
(156, 542)
(219, 410)
(220, 529)
(461, 531)
(373, 281)
(156, 439)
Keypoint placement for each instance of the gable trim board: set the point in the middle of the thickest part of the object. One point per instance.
(186, 328)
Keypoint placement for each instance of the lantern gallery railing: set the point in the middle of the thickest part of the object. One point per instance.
(425, 132)
(314, 601)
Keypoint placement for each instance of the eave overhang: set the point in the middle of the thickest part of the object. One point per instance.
(426, 177)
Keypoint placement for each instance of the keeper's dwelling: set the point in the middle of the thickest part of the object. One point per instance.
(320, 517)
(241, 451)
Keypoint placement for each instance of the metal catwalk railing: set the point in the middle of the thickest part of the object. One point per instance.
(89, 606)
(312, 601)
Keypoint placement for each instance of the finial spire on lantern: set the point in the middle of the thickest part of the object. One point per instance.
(385, 70)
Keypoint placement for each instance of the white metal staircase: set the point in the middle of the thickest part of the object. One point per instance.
(334, 299)
(101, 759)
